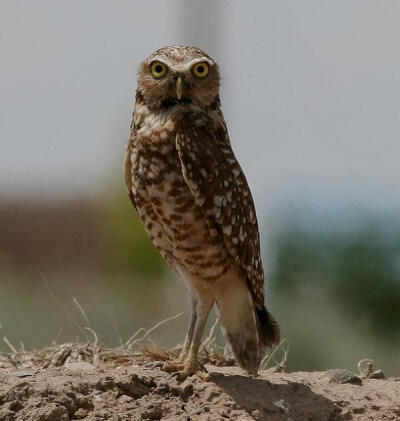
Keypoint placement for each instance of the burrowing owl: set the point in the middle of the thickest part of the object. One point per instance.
(195, 203)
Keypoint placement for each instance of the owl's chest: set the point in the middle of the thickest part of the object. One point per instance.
(157, 173)
(167, 206)
(174, 222)
(161, 192)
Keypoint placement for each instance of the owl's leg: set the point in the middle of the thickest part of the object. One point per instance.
(178, 363)
(189, 336)
(191, 365)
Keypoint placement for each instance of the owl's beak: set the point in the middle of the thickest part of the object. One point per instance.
(179, 87)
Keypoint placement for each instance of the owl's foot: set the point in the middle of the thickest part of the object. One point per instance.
(173, 366)
(189, 369)
(154, 364)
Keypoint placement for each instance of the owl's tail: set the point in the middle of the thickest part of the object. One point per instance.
(268, 328)
(247, 329)
(239, 323)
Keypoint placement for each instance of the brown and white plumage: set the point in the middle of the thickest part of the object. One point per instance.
(195, 203)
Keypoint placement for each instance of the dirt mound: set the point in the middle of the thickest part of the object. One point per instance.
(85, 381)
(65, 389)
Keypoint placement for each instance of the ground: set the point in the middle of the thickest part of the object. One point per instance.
(71, 382)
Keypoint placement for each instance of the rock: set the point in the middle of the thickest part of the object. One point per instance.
(136, 386)
(125, 398)
(359, 410)
(80, 366)
(162, 388)
(256, 414)
(377, 374)
(344, 376)
(6, 415)
(225, 413)
(24, 373)
(51, 412)
(67, 402)
(81, 413)
(176, 391)
(212, 393)
(187, 391)
(13, 406)
(153, 412)
(282, 405)
(342, 402)
(84, 402)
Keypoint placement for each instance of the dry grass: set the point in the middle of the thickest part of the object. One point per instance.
(139, 349)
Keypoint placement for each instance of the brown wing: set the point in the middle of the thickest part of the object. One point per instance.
(128, 172)
(220, 189)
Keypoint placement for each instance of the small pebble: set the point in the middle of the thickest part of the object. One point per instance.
(212, 394)
(24, 373)
(344, 376)
(377, 374)
(80, 366)
(187, 391)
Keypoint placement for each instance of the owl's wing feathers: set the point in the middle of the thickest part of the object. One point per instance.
(220, 189)
(128, 172)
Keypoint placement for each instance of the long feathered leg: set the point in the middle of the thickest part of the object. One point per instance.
(189, 337)
(191, 365)
(178, 363)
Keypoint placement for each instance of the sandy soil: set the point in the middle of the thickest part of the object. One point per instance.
(66, 389)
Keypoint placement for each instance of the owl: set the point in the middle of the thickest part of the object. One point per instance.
(194, 201)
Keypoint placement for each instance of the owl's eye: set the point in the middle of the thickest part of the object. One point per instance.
(200, 70)
(158, 69)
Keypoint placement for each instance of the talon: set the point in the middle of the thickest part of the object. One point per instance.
(174, 375)
(190, 369)
(155, 364)
(204, 376)
(183, 375)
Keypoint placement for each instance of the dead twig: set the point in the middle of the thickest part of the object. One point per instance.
(280, 365)
(365, 367)
(76, 302)
(131, 344)
(10, 345)
(60, 304)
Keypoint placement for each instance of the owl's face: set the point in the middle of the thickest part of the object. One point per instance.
(179, 75)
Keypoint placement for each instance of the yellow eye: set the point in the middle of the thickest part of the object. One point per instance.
(200, 69)
(158, 69)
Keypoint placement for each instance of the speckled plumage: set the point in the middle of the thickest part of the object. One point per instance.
(195, 203)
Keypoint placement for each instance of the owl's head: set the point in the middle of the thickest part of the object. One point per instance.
(179, 75)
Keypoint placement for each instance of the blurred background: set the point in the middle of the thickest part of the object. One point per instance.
(311, 95)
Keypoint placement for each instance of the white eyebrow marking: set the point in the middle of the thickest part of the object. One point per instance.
(181, 67)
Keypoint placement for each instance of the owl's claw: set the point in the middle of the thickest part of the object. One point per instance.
(189, 369)
(154, 364)
(174, 374)
(184, 374)
(173, 366)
